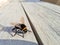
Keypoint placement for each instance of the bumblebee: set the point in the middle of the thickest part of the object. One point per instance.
(20, 28)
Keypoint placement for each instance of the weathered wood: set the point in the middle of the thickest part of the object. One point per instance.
(45, 21)
(12, 13)
(53, 7)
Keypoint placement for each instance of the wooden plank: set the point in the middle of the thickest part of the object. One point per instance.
(12, 13)
(45, 22)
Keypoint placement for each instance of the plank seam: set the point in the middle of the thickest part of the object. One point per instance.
(33, 28)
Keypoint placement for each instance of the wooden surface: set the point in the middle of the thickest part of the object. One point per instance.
(45, 20)
(44, 16)
(12, 12)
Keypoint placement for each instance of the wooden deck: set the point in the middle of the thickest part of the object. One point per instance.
(45, 18)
